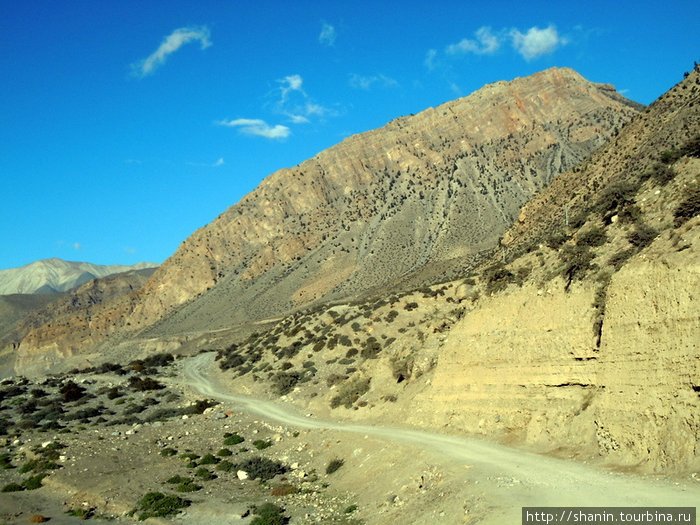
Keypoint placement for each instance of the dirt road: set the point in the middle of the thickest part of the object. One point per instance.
(530, 479)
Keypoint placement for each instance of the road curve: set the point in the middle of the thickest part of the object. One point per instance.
(541, 480)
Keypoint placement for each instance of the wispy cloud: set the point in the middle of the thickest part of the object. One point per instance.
(327, 36)
(77, 246)
(257, 127)
(219, 162)
(295, 103)
(170, 44)
(364, 82)
(536, 42)
(485, 43)
(430, 56)
(289, 84)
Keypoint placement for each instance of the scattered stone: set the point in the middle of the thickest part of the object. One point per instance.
(242, 474)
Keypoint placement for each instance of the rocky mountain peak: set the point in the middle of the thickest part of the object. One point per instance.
(408, 202)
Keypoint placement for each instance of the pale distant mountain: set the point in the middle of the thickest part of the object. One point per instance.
(56, 275)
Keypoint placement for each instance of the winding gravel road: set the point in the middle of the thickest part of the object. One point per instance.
(538, 480)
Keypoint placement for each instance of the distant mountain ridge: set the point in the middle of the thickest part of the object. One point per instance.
(56, 275)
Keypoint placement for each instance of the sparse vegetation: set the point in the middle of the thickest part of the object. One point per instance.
(350, 392)
(231, 439)
(158, 505)
(261, 467)
(268, 514)
(334, 465)
(688, 208)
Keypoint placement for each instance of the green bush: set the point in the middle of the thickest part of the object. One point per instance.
(158, 505)
(83, 514)
(593, 237)
(642, 236)
(12, 487)
(688, 208)
(208, 459)
(224, 452)
(371, 348)
(260, 467)
(167, 452)
(204, 474)
(615, 196)
(232, 439)
(139, 384)
(577, 262)
(350, 393)
(497, 278)
(268, 514)
(284, 382)
(177, 479)
(618, 259)
(261, 444)
(33, 482)
(6, 461)
(225, 466)
(334, 465)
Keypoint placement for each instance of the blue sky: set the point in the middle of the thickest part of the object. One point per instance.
(125, 126)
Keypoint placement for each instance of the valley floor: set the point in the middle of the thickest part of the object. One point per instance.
(479, 481)
(388, 474)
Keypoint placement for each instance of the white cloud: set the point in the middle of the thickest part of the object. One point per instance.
(536, 42)
(362, 82)
(486, 43)
(295, 103)
(218, 163)
(77, 246)
(291, 83)
(170, 44)
(297, 119)
(327, 36)
(430, 59)
(257, 127)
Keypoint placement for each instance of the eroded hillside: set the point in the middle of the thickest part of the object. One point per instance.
(581, 338)
(420, 196)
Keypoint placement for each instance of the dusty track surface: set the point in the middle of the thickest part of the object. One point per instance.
(506, 479)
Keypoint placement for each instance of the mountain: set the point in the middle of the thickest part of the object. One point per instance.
(20, 314)
(56, 275)
(578, 338)
(419, 199)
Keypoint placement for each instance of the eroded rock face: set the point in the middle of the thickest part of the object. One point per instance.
(422, 191)
(524, 367)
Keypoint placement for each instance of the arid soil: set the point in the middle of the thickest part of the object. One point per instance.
(448, 479)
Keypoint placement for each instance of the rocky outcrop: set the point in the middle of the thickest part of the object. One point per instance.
(423, 192)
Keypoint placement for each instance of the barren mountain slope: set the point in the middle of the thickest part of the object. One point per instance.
(430, 188)
(583, 343)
